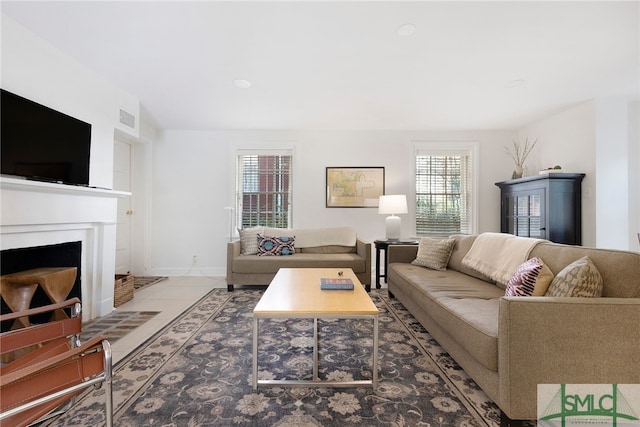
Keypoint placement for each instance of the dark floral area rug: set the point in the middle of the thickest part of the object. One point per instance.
(197, 372)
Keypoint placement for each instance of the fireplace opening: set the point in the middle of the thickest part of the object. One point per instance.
(60, 255)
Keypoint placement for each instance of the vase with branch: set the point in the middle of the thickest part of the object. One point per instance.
(519, 154)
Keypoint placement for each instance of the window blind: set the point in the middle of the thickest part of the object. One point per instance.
(264, 189)
(443, 192)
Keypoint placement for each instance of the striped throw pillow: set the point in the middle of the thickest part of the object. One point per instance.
(249, 240)
(434, 253)
(523, 281)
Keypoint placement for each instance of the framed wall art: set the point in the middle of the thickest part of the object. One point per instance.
(354, 187)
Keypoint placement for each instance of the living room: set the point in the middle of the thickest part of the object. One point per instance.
(183, 173)
(579, 136)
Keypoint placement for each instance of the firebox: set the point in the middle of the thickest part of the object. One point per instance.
(67, 254)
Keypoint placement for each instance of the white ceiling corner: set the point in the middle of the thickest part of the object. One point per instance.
(342, 65)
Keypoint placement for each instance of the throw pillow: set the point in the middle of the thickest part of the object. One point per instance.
(249, 240)
(581, 278)
(543, 281)
(268, 245)
(434, 253)
(523, 281)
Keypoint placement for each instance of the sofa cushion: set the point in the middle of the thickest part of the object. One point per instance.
(466, 307)
(329, 249)
(249, 240)
(268, 245)
(251, 264)
(309, 237)
(523, 281)
(581, 278)
(434, 253)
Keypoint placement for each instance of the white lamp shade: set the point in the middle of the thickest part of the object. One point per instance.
(392, 204)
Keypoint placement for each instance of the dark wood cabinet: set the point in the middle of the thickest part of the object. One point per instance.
(543, 206)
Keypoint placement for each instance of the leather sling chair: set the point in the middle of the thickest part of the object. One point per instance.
(59, 369)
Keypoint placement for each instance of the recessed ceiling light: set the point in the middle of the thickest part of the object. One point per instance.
(406, 30)
(515, 83)
(242, 84)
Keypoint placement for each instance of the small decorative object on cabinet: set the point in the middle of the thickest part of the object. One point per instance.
(519, 154)
(544, 206)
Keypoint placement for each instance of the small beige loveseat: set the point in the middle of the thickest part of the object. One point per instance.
(510, 344)
(313, 248)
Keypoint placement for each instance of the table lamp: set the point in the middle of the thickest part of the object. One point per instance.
(393, 205)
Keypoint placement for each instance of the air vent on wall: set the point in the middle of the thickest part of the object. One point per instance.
(127, 119)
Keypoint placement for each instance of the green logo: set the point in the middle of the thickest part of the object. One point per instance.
(588, 404)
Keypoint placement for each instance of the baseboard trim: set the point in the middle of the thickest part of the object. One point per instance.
(189, 272)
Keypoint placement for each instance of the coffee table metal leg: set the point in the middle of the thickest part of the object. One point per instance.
(254, 378)
(315, 349)
(374, 378)
(315, 381)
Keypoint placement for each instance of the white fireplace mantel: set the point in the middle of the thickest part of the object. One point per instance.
(37, 213)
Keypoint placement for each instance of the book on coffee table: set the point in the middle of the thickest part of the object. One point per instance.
(339, 284)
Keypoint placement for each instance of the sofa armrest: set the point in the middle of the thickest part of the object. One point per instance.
(545, 340)
(401, 253)
(233, 250)
(364, 250)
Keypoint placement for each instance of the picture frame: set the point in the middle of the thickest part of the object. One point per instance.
(354, 187)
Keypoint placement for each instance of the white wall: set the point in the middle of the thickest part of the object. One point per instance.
(37, 71)
(568, 139)
(601, 139)
(612, 169)
(193, 181)
(634, 175)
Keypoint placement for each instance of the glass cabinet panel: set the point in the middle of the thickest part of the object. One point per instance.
(524, 214)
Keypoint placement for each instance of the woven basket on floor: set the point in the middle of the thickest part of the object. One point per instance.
(123, 289)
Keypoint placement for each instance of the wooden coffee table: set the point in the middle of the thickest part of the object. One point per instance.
(296, 293)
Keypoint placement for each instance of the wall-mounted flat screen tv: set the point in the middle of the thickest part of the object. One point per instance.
(40, 143)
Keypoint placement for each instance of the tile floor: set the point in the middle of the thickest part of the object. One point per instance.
(170, 297)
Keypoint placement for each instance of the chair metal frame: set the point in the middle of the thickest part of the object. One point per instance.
(59, 348)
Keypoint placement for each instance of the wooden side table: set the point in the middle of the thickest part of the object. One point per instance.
(383, 245)
(17, 289)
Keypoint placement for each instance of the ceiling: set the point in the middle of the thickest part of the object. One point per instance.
(343, 65)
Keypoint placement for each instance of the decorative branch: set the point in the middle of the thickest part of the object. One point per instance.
(520, 153)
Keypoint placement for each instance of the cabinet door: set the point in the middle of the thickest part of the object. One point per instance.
(525, 213)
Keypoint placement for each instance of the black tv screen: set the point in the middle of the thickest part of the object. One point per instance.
(40, 143)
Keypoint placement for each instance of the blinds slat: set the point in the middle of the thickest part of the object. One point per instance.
(443, 192)
(264, 188)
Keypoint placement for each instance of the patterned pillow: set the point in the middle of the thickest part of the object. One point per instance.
(581, 278)
(275, 245)
(543, 281)
(523, 281)
(434, 253)
(249, 240)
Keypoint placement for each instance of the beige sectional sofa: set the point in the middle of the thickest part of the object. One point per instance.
(314, 248)
(509, 345)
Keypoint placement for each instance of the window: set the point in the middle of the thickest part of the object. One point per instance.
(264, 188)
(444, 191)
